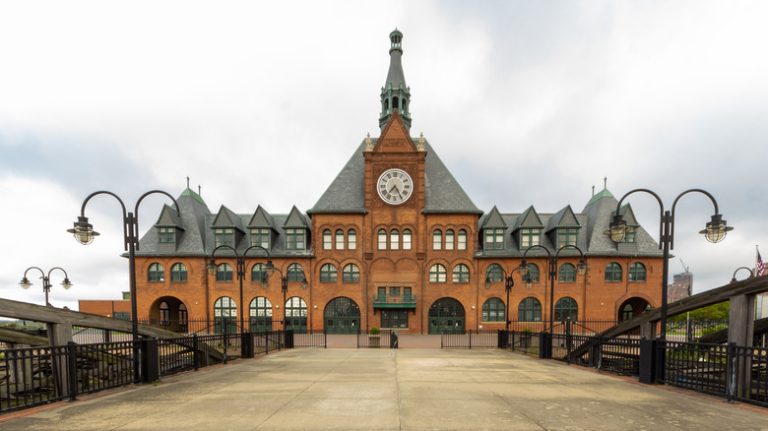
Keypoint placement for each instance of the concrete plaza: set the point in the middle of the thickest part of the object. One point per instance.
(372, 389)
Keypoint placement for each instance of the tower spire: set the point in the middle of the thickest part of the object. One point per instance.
(395, 95)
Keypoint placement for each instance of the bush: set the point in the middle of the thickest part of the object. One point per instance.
(375, 331)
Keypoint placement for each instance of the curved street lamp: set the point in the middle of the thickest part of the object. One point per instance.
(84, 234)
(240, 259)
(509, 283)
(749, 270)
(552, 259)
(715, 231)
(46, 277)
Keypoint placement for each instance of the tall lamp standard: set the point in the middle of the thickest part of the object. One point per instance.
(509, 283)
(46, 277)
(84, 234)
(552, 259)
(284, 288)
(240, 259)
(715, 231)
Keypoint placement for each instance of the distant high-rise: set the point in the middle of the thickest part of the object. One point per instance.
(680, 287)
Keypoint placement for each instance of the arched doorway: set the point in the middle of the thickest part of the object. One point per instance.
(446, 316)
(260, 314)
(632, 308)
(170, 313)
(296, 315)
(225, 315)
(342, 316)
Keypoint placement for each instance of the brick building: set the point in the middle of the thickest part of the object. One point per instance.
(394, 242)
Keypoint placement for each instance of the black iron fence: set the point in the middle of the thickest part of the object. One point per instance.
(314, 338)
(469, 339)
(384, 339)
(32, 376)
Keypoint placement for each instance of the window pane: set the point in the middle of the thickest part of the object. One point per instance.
(327, 239)
(352, 239)
(407, 239)
(339, 239)
(449, 239)
(382, 239)
(394, 239)
(437, 239)
(462, 244)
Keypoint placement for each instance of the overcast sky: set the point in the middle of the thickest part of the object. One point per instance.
(527, 103)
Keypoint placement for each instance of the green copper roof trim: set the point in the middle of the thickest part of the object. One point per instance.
(604, 193)
(189, 193)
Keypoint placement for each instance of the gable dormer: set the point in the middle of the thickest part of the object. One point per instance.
(632, 224)
(262, 228)
(527, 228)
(296, 228)
(169, 228)
(492, 229)
(563, 228)
(227, 228)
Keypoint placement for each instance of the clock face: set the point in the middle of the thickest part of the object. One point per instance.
(395, 186)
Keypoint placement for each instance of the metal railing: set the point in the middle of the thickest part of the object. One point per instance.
(385, 339)
(32, 376)
(469, 339)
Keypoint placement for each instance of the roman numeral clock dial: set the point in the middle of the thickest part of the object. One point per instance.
(395, 186)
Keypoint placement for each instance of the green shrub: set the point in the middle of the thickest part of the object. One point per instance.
(375, 331)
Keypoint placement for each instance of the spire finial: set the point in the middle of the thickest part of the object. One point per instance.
(187, 182)
(199, 190)
(593, 190)
(605, 183)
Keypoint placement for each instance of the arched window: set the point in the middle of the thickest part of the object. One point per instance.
(382, 239)
(494, 273)
(461, 273)
(437, 273)
(328, 273)
(156, 273)
(259, 273)
(404, 105)
(178, 272)
(394, 239)
(637, 272)
(352, 239)
(295, 273)
(394, 103)
(224, 314)
(339, 239)
(223, 272)
(613, 272)
(567, 273)
(260, 313)
(327, 240)
(386, 104)
(533, 273)
(351, 274)
(449, 239)
(407, 239)
(462, 243)
(165, 314)
(529, 310)
(437, 239)
(566, 308)
(296, 315)
(493, 310)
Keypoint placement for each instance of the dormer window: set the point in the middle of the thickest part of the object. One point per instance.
(529, 237)
(295, 239)
(167, 235)
(494, 239)
(629, 235)
(566, 236)
(261, 237)
(225, 236)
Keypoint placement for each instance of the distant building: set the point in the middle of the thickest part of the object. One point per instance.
(761, 305)
(680, 287)
(116, 309)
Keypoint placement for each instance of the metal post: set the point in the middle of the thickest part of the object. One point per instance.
(240, 276)
(72, 370)
(130, 222)
(552, 273)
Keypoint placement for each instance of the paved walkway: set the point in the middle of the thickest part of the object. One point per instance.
(350, 389)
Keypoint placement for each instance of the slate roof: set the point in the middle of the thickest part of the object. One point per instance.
(592, 238)
(443, 192)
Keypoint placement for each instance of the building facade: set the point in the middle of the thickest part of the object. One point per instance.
(394, 242)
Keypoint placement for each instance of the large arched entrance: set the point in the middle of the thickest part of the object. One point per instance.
(341, 316)
(632, 307)
(170, 313)
(446, 316)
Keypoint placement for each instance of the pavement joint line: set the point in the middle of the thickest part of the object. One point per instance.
(399, 396)
(522, 413)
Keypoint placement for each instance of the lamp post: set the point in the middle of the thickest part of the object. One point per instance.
(84, 234)
(509, 283)
(240, 260)
(46, 277)
(552, 260)
(715, 231)
(284, 288)
(749, 270)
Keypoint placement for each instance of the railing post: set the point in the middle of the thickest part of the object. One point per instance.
(150, 360)
(647, 360)
(72, 370)
(732, 373)
(289, 339)
(545, 345)
(246, 345)
(325, 338)
(470, 339)
(195, 352)
(225, 335)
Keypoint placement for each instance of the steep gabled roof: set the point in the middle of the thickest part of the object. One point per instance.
(194, 212)
(563, 218)
(227, 218)
(528, 219)
(261, 219)
(169, 218)
(628, 214)
(493, 220)
(296, 219)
